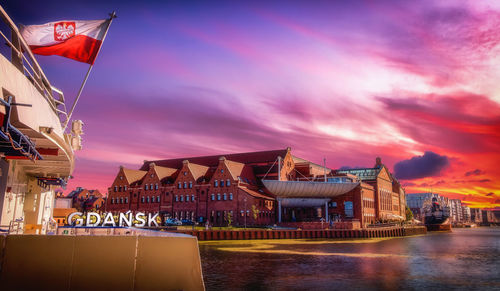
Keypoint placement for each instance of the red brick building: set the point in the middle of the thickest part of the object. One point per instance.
(227, 187)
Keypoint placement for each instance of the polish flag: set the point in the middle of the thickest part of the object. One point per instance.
(77, 40)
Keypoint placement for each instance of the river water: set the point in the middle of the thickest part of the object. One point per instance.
(465, 259)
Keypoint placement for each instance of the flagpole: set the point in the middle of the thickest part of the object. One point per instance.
(112, 16)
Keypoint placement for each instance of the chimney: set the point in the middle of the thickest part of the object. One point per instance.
(378, 162)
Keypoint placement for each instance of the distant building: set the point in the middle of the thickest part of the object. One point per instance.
(476, 215)
(80, 196)
(466, 214)
(489, 217)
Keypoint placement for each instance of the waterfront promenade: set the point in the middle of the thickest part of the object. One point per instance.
(464, 259)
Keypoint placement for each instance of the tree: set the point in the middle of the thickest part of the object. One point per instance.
(255, 212)
(409, 214)
(229, 218)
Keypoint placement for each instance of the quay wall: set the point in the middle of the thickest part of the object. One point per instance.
(99, 262)
(204, 235)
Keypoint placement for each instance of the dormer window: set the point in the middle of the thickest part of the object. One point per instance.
(216, 183)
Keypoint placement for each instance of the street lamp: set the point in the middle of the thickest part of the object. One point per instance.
(245, 213)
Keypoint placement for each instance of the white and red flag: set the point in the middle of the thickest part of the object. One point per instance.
(79, 40)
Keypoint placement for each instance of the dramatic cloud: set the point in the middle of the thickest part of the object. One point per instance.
(475, 172)
(428, 165)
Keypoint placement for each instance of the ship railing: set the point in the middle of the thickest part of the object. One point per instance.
(24, 60)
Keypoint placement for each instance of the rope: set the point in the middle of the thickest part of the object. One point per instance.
(269, 169)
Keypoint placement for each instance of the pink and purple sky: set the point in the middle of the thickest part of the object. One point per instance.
(414, 82)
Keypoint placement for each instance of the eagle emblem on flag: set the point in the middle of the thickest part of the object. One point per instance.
(64, 30)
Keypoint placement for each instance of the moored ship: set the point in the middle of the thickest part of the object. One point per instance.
(437, 216)
(36, 155)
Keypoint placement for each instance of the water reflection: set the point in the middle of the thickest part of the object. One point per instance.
(464, 259)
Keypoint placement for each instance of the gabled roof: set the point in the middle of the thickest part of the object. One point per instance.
(133, 175)
(235, 168)
(163, 172)
(213, 161)
(197, 170)
(255, 193)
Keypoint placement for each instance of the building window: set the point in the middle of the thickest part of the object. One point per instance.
(180, 185)
(348, 209)
(156, 186)
(124, 188)
(192, 197)
(213, 196)
(126, 199)
(182, 198)
(228, 183)
(190, 185)
(158, 198)
(216, 183)
(119, 189)
(112, 200)
(146, 187)
(187, 198)
(176, 198)
(222, 183)
(147, 199)
(218, 196)
(121, 177)
(185, 185)
(225, 196)
(230, 196)
(151, 186)
(152, 199)
(142, 199)
(121, 200)
(116, 188)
